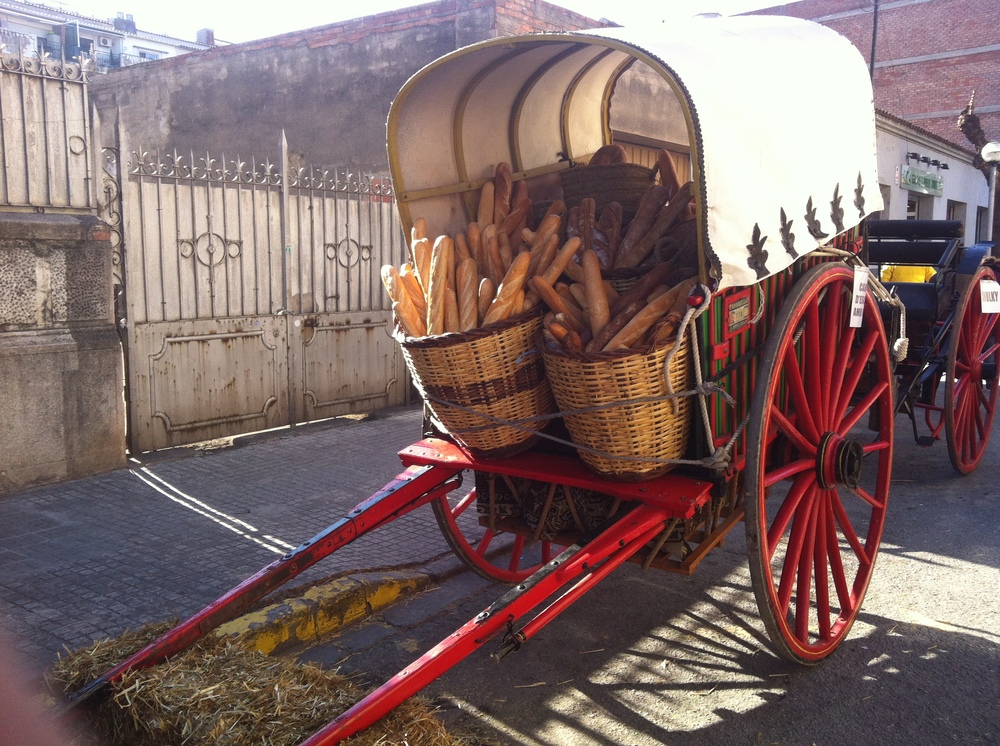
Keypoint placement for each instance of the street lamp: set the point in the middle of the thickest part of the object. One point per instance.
(991, 154)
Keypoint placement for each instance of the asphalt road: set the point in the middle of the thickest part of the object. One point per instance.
(655, 658)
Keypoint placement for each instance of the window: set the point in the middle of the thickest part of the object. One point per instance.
(982, 229)
(958, 211)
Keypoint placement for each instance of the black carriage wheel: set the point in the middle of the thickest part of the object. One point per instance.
(817, 480)
(970, 387)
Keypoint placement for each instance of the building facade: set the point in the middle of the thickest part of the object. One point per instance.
(328, 88)
(930, 55)
(30, 28)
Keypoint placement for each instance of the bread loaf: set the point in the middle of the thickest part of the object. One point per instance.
(508, 290)
(467, 282)
(597, 301)
(441, 255)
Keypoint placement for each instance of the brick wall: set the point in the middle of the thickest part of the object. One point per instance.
(916, 73)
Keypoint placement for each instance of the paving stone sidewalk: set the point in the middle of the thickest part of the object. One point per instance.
(88, 559)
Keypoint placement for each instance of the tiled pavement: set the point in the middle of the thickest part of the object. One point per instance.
(88, 559)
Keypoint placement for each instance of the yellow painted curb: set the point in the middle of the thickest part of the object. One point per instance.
(321, 610)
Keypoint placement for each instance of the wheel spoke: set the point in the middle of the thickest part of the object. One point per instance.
(836, 562)
(811, 354)
(484, 543)
(989, 352)
(866, 497)
(792, 433)
(515, 553)
(803, 586)
(793, 551)
(861, 409)
(797, 392)
(789, 470)
(848, 530)
(461, 506)
(830, 351)
(853, 376)
(788, 507)
(821, 573)
(878, 445)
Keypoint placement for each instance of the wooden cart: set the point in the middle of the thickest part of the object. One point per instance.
(792, 424)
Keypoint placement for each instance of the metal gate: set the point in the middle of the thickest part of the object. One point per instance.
(249, 293)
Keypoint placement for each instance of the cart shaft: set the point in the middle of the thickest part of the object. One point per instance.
(593, 560)
(416, 486)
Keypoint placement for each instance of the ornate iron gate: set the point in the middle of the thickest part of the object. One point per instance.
(250, 293)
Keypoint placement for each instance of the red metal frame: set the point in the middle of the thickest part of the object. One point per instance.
(416, 486)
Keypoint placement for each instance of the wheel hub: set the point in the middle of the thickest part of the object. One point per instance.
(839, 461)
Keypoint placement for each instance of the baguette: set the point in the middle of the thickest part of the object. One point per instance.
(494, 268)
(563, 259)
(543, 258)
(503, 245)
(413, 289)
(507, 292)
(597, 300)
(438, 285)
(411, 324)
(643, 286)
(466, 281)
(579, 293)
(422, 262)
(451, 314)
(632, 256)
(668, 173)
(487, 291)
(556, 302)
(632, 333)
(517, 216)
(475, 238)
(406, 313)
(419, 230)
(650, 204)
(461, 248)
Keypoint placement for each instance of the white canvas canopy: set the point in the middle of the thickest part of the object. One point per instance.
(779, 115)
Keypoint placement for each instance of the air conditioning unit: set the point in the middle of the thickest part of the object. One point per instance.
(104, 41)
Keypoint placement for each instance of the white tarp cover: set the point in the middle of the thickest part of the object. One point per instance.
(780, 113)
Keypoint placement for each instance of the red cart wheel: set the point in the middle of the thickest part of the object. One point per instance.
(970, 388)
(495, 554)
(817, 478)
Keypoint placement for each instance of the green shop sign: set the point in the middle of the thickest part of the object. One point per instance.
(918, 180)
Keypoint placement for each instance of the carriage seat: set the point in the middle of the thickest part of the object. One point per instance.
(933, 243)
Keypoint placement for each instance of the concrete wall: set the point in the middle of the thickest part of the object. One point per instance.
(329, 87)
(60, 357)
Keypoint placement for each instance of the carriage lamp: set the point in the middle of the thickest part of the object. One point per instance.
(991, 154)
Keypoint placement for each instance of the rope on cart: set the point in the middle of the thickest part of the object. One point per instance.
(718, 461)
(899, 347)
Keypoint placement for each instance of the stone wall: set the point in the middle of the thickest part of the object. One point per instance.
(61, 370)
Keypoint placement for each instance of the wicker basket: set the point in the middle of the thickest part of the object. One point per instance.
(624, 183)
(625, 432)
(491, 372)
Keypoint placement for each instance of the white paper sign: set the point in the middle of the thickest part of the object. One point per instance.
(858, 299)
(989, 291)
